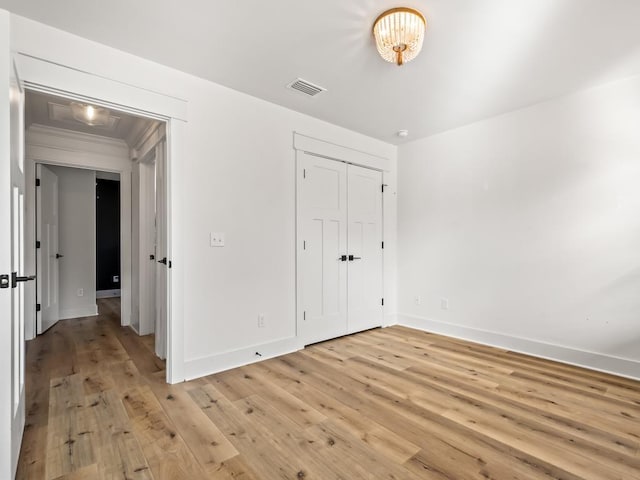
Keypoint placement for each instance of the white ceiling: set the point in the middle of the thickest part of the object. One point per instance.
(480, 57)
(38, 111)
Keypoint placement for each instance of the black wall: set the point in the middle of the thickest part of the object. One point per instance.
(107, 234)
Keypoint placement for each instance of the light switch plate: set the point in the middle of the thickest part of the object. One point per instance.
(217, 239)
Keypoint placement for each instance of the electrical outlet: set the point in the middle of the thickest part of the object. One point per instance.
(116, 279)
(444, 304)
(417, 300)
(81, 292)
(217, 239)
(261, 321)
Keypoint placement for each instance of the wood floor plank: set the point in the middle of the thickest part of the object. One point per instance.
(249, 381)
(32, 461)
(118, 451)
(315, 458)
(249, 439)
(165, 450)
(393, 403)
(207, 443)
(89, 472)
(381, 439)
(71, 429)
(234, 469)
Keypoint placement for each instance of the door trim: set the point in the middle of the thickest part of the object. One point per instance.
(307, 145)
(333, 151)
(42, 75)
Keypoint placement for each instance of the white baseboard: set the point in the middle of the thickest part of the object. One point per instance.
(390, 319)
(107, 293)
(594, 361)
(201, 367)
(88, 311)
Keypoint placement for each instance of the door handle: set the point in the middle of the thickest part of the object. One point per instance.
(342, 258)
(352, 258)
(59, 256)
(163, 261)
(15, 279)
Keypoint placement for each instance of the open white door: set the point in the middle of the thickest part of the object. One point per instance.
(322, 215)
(163, 264)
(12, 346)
(48, 255)
(365, 249)
(146, 247)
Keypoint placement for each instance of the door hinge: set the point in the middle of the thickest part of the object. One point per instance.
(37, 182)
(304, 315)
(383, 185)
(383, 245)
(170, 263)
(383, 301)
(304, 244)
(37, 243)
(304, 173)
(38, 307)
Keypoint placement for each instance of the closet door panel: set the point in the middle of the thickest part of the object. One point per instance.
(323, 216)
(364, 278)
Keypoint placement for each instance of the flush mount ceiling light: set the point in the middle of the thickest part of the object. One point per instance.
(89, 114)
(399, 34)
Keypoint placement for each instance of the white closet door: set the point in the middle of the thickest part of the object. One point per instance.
(323, 218)
(365, 249)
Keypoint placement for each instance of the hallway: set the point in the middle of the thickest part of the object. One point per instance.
(84, 361)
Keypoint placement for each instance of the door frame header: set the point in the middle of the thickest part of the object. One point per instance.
(332, 151)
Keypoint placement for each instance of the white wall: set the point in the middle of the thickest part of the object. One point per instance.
(240, 180)
(77, 241)
(529, 225)
(237, 172)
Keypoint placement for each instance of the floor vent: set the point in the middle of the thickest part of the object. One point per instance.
(306, 88)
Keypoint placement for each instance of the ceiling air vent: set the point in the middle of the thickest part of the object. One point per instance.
(307, 88)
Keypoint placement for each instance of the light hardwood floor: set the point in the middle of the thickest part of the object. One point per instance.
(384, 404)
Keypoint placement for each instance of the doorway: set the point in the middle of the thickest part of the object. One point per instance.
(17, 182)
(97, 212)
(107, 235)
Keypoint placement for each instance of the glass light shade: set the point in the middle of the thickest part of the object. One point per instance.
(90, 115)
(399, 34)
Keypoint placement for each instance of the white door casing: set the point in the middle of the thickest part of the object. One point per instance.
(50, 76)
(364, 285)
(323, 267)
(48, 235)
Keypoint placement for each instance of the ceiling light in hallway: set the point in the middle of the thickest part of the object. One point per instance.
(90, 115)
